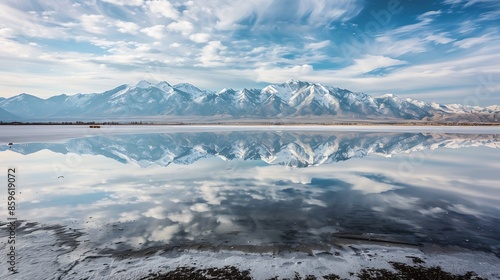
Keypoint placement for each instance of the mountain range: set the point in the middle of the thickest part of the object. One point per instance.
(291, 100)
(293, 149)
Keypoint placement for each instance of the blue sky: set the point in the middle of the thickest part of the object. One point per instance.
(446, 51)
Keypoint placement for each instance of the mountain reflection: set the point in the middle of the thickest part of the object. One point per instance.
(293, 149)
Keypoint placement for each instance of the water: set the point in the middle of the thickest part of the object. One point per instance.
(254, 191)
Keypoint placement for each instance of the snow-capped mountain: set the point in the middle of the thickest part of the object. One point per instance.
(287, 100)
(294, 149)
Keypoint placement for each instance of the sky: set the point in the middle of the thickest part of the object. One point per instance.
(445, 51)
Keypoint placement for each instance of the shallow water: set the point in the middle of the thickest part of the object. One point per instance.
(119, 194)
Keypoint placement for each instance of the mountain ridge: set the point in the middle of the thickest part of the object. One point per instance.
(291, 99)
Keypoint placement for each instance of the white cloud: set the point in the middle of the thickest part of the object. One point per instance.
(211, 54)
(490, 15)
(452, 2)
(125, 2)
(11, 49)
(369, 63)
(143, 47)
(467, 26)
(428, 14)
(302, 69)
(441, 38)
(230, 14)
(413, 38)
(184, 27)
(21, 17)
(163, 8)
(200, 37)
(318, 45)
(267, 14)
(258, 50)
(467, 3)
(127, 27)
(394, 47)
(156, 31)
(469, 42)
(410, 28)
(6, 32)
(93, 23)
(325, 11)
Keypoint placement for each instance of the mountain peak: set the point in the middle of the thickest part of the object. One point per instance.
(164, 86)
(187, 87)
(293, 81)
(184, 85)
(388, 95)
(225, 90)
(143, 84)
(24, 96)
(162, 83)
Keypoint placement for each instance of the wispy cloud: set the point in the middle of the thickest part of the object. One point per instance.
(467, 3)
(369, 63)
(428, 14)
(470, 42)
(125, 2)
(318, 45)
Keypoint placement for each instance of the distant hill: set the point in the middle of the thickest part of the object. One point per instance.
(289, 100)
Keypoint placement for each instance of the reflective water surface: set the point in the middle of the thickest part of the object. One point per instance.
(110, 194)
